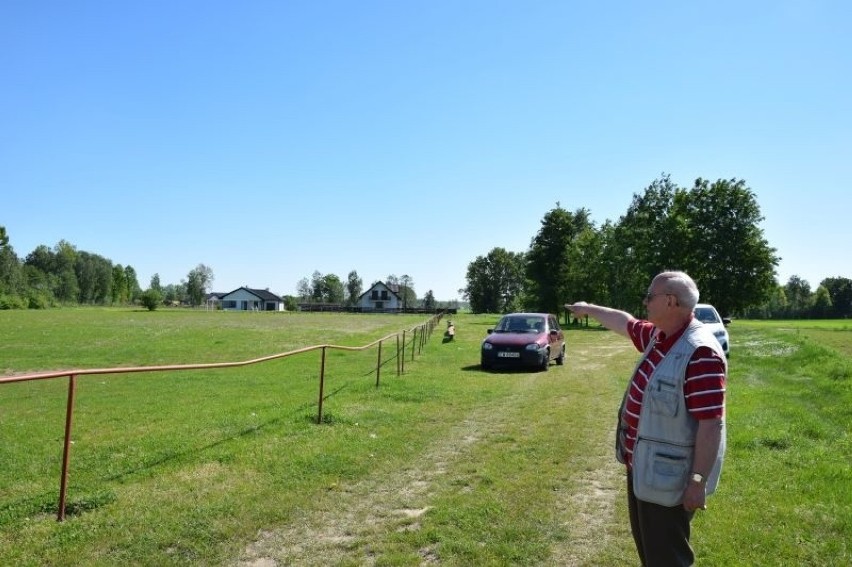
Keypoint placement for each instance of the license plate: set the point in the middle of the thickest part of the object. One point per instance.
(509, 354)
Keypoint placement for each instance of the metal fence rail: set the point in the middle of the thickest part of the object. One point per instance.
(424, 329)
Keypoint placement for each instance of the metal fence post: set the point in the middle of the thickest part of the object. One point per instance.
(378, 364)
(66, 452)
(322, 384)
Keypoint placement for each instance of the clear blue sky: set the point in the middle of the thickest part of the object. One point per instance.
(269, 140)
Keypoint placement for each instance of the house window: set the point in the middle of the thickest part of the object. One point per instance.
(380, 305)
(374, 295)
(230, 304)
(384, 294)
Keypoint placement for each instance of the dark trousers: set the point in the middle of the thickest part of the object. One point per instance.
(661, 533)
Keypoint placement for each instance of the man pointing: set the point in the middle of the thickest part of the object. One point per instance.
(671, 430)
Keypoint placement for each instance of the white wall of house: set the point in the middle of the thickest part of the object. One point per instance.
(379, 297)
(244, 300)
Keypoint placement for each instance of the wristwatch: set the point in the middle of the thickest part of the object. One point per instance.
(697, 477)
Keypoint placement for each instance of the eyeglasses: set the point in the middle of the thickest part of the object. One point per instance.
(649, 296)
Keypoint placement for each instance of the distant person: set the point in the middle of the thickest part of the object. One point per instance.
(671, 430)
(450, 333)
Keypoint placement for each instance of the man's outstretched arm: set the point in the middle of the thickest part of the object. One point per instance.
(612, 319)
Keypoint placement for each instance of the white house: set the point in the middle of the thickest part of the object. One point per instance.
(380, 297)
(247, 299)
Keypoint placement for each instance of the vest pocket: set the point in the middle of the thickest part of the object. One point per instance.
(663, 397)
(660, 471)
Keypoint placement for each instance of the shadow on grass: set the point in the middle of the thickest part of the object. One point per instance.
(500, 370)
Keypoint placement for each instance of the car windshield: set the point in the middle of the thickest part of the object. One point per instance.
(706, 315)
(519, 324)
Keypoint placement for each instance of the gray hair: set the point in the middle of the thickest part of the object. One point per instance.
(681, 286)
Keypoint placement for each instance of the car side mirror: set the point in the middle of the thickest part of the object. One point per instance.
(726, 321)
(489, 331)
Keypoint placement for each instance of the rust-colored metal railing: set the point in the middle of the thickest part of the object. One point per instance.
(426, 329)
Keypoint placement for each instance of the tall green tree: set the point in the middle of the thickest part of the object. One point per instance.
(94, 276)
(354, 287)
(68, 289)
(641, 244)
(333, 289)
(318, 291)
(41, 258)
(429, 300)
(198, 281)
(119, 292)
(11, 273)
(304, 289)
(406, 291)
(586, 274)
(175, 293)
(133, 289)
(323, 288)
(799, 297)
(822, 308)
(549, 269)
(722, 244)
(495, 281)
(840, 290)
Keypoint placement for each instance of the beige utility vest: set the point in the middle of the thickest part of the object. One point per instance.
(665, 443)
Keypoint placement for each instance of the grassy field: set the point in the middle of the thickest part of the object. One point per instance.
(442, 465)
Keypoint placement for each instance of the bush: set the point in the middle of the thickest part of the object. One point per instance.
(39, 300)
(151, 299)
(11, 302)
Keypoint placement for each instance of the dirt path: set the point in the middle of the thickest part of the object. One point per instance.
(344, 519)
(342, 522)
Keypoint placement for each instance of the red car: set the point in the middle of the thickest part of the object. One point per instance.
(524, 339)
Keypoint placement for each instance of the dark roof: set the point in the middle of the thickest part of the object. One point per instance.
(394, 289)
(263, 294)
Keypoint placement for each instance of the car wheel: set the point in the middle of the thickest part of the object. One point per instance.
(560, 360)
(545, 361)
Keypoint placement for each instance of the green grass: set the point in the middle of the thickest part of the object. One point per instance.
(443, 464)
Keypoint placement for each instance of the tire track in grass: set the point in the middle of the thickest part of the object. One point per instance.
(591, 518)
(592, 506)
(342, 523)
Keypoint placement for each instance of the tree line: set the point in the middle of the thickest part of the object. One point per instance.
(64, 275)
(330, 289)
(710, 230)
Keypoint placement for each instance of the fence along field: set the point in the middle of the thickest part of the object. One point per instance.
(444, 463)
(72, 375)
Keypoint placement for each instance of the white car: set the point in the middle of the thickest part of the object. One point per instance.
(708, 315)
